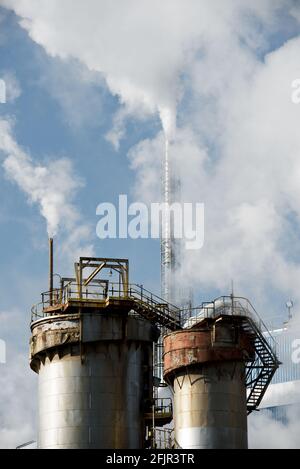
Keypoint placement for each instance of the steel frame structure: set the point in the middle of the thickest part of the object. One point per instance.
(82, 293)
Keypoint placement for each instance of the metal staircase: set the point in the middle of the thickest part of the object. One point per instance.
(260, 372)
(261, 369)
(153, 308)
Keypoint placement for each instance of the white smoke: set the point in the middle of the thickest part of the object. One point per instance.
(265, 432)
(141, 48)
(237, 150)
(50, 186)
(143, 74)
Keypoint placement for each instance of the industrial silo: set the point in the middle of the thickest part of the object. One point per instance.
(93, 354)
(218, 368)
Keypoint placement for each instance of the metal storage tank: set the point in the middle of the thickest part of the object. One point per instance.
(93, 397)
(94, 355)
(209, 368)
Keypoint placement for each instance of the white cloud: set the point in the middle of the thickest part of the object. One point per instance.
(13, 87)
(78, 91)
(3, 16)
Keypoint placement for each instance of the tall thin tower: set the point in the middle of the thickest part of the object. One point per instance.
(166, 242)
(171, 248)
(167, 252)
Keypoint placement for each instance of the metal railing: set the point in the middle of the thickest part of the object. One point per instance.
(261, 369)
(163, 405)
(100, 291)
(229, 306)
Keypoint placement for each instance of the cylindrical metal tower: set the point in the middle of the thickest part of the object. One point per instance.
(95, 376)
(205, 368)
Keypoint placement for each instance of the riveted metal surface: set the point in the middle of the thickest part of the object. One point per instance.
(93, 399)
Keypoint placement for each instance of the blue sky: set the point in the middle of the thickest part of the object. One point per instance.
(42, 127)
(217, 81)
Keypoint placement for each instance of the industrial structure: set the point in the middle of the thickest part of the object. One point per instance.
(92, 346)
(169, 246)
(172, 288)
(219, 367)
(96, 345)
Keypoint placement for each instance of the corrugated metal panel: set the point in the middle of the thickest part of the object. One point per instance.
(287, 346)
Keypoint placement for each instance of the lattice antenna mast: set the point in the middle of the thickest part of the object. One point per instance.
(166, 237)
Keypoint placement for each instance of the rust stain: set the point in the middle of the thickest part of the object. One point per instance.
(186, 348)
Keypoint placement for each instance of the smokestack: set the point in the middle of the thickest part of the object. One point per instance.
(51, 270)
